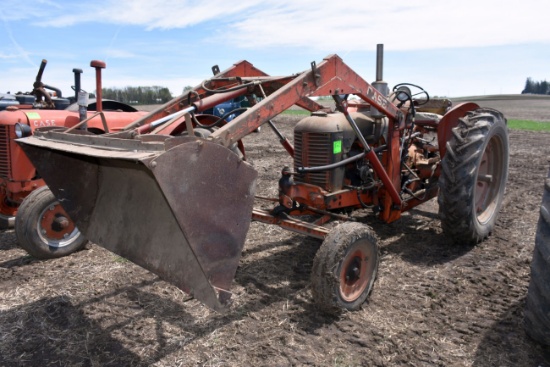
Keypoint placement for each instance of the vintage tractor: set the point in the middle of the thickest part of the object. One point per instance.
(39, 97)
(180, 205)
(537, 308)
(42, 226)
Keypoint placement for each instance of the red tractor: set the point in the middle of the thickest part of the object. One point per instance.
(43, 227)
(173, 191)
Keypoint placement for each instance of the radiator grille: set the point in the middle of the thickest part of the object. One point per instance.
(5, 171)
(318, 149)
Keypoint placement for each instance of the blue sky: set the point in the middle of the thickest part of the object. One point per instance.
(451, 48)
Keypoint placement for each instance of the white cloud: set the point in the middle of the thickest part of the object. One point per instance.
(151, 14)
(358, 25)
(185, 38)
(323, 25)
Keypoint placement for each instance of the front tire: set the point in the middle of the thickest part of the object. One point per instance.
(537, 308)
(473, 176)
(43, 228)
(345, 268)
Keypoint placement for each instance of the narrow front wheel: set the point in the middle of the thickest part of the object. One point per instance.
(345, 268)
(44, 229)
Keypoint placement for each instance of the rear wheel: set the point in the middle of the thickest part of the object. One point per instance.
(345, 267)
(473, 176)
(44, 229)
(537, 308)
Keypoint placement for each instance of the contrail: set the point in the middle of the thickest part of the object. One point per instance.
(21, 50)
(115, 36)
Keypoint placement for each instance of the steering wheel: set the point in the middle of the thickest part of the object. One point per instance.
(403, 93)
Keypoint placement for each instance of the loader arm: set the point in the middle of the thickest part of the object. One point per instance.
(332, 76)
(225, 79)
(241, 68)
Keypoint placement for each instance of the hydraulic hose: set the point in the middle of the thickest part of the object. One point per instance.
(246, 85)
(221, 119)
(330, 166)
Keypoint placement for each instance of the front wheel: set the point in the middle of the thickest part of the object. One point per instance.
(473, 176)
(345, 267)
(43, 228)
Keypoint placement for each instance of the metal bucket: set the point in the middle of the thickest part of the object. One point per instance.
(177, 206)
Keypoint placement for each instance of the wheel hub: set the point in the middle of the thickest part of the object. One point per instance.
(55, 224)
(357, 271)
(489, 180)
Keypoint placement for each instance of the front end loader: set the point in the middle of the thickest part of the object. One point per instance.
(173, 191)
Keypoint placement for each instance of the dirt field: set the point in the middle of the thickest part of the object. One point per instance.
(434, 304)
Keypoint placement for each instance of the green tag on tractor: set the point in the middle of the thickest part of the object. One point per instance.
(337, 147)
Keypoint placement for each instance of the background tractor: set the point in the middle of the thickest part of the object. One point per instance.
(42, 226)
(173, 191)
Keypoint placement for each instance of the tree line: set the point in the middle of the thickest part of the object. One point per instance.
(532, 87)
(138, 95)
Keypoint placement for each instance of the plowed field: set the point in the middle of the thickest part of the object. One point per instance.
(434, 304)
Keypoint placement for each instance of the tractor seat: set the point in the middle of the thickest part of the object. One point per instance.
(427, 119)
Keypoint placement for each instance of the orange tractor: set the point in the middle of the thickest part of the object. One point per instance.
(42, 226)
(173, 191)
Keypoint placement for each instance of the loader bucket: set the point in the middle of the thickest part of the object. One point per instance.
(179, 207)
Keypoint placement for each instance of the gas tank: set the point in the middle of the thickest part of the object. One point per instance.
(322, 139)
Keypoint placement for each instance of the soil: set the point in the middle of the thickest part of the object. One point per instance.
(433, 304)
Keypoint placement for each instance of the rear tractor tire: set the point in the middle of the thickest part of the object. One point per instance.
(537, 308)
(473, 176)
(345, 268)
(43, 228)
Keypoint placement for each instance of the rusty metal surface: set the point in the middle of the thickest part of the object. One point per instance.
(241, 68)
(449, 121)
(212, 202)
(291, 224)
(186, 224)
(98, 65)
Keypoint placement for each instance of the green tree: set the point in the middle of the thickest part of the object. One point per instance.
(529, 86)
(138, 95)
(543, 87)
(533, 87)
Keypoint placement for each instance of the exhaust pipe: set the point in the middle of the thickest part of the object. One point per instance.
(77, 74)
(81, 98)
(380, 85)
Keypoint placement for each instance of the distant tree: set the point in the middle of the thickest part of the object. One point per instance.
(187, 88)
(138, 95)
(543, 88)
(533, 87)
(529, 86)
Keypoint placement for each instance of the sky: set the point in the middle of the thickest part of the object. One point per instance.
(451, 48)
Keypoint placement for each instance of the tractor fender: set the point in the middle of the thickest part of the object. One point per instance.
(450, 121)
